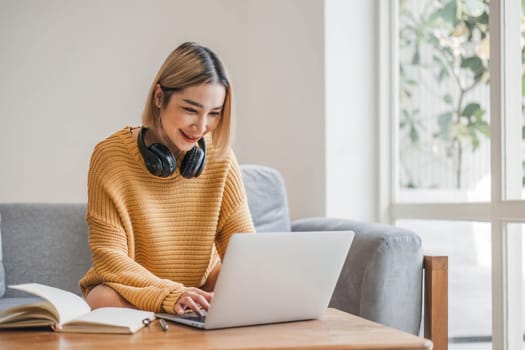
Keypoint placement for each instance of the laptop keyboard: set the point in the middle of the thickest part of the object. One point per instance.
(192, 316)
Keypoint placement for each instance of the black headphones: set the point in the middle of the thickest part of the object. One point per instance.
(161, 162)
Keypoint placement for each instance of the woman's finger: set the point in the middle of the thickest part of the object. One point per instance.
(199, 300)
(179, 309)
(194, 299)
(190, 303)
(202, 301)
(208, 296)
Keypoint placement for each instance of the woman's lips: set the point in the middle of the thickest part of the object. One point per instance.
(189, 138)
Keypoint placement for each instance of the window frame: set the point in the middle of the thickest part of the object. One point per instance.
(503, 208)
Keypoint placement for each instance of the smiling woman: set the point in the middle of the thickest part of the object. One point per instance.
(189, 115)
(164, 198)
(198, 79)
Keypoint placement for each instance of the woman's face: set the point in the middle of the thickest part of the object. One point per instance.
(190, 114)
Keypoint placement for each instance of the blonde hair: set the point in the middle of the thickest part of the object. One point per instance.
(188, 65)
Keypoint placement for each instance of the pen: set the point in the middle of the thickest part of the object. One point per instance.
(163, 325)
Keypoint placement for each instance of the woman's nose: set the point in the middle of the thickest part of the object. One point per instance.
(200, 124)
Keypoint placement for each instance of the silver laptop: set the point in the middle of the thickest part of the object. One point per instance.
(273, 277)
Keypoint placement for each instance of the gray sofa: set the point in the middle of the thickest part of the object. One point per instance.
(381, 279)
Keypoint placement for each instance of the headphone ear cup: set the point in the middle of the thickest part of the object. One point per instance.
(166, 157)
(194, 161)
(200, 168)
(191, 162)
(154, 165)
(151, 160)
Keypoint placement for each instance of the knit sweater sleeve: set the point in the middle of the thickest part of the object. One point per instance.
(113, 248)
(235, 215)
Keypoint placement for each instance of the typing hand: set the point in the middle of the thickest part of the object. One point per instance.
(195, 299)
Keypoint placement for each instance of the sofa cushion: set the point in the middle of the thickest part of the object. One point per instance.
(266, 198)
(381, 279)
(45, 243)
(2, 269)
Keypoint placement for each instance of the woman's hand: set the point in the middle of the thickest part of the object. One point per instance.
(195, 299)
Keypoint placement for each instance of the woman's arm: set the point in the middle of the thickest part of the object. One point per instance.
(112, 249)
(235, 215)
(113, 265)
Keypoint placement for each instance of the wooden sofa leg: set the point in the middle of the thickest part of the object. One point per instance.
(436, 301)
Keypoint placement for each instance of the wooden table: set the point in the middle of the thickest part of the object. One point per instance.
(336, 330)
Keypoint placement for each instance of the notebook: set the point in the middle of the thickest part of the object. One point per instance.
(273, 277)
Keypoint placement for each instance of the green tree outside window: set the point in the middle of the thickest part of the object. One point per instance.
(454, 36)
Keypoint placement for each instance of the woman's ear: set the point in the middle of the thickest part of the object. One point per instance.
(158, 95)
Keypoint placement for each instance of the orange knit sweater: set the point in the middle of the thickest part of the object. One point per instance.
(152, 237)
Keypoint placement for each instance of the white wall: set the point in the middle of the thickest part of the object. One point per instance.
(72, 72)
(352, 108)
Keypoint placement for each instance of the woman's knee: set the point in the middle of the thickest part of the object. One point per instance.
(104, 296)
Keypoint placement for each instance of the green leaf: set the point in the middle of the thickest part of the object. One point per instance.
(473, 63)
(479, 114)
(447, 99)
(474, 140)
(437, 14)
(483, 19)
(523, 83)
(444, 120)
(443, 73)
(444, 123)
(433, 40)
(478, 75)
(415, 56)
(449, 54)
(483, 128)
(449, 12)
(414, 135)
(471, 137)
(470, 109)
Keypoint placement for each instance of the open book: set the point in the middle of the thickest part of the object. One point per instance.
(67, 312)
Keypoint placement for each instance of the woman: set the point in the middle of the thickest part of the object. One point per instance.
(164, 198)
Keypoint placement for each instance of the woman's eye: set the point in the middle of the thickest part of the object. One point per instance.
(190, 110)
(215, 114)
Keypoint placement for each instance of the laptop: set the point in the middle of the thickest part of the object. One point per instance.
(273, 277)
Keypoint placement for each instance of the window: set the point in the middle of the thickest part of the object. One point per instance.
(468, 246)
(444, 95)
(453, 168)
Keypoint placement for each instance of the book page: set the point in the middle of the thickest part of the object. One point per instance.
(42, 310)
(68, 305)
(109, 317)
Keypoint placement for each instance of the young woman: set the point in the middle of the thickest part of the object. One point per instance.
(164, 198)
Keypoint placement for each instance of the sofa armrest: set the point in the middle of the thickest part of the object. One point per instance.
(381, 279)
(436, 301)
